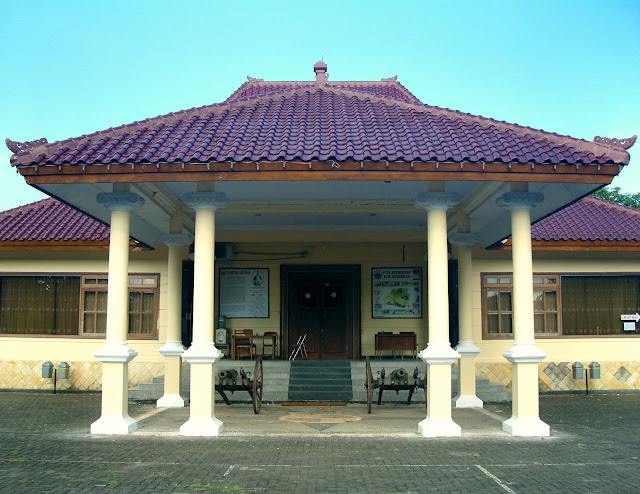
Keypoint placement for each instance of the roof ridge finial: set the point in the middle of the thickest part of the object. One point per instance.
(617, 143)
(320, 68)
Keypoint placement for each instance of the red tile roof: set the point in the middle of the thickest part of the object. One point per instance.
(590, 218)
(49, 220)
(307, 121)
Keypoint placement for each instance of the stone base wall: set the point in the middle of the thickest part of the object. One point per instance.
(558, 376)
(83, 376)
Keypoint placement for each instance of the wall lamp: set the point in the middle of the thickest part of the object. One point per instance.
(49, 370)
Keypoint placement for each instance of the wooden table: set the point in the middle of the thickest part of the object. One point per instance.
(396, 342)
(264, 338)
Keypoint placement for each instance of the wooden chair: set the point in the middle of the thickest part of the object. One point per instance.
(243, 345)
(271, 343)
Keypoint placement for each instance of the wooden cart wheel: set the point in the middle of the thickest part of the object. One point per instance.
(369, 386)
(257, 385)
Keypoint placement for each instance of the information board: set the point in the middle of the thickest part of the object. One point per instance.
(396, 293)
(244, 293)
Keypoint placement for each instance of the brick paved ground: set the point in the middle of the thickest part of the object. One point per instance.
(45, 447)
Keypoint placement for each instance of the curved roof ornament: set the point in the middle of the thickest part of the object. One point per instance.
(617, 143)
(254, 79)
(389, 79)
(16, 147)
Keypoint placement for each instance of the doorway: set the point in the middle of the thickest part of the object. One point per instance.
(322, 302)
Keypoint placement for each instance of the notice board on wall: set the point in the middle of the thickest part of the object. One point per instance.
(244, 293)
(396, 293)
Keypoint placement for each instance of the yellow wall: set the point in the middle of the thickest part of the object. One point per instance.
(20, 358)
(559, 349)
(366, 255)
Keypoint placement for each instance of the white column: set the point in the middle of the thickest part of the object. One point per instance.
(116, 354)
(468, 350)
(202, 354)
(439, 356)
(172, 348)
(524, 355)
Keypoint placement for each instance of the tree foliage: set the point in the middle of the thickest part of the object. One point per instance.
(613, 194)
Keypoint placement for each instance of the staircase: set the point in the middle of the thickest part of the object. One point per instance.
(321, 380)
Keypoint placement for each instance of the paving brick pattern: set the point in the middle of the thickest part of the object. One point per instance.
(45, 447)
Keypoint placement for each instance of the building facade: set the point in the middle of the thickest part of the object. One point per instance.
(333, 209)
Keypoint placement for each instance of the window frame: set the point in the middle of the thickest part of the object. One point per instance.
(536, 287)
(131, 288)
(81, 277)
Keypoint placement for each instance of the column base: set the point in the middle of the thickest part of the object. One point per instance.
(439, 427)
(172, 401)
(201, 426)
(466, 401)
(526, 426)
(108, 425)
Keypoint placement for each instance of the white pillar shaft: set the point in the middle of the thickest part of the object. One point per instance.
(439, 356)
(437, 280)
(118, 288)
(174, 294)
(465, 293)
(204, 277)
(523, 326)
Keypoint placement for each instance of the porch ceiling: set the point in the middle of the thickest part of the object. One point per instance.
(322, 205)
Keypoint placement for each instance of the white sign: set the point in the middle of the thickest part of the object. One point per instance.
(629, 326)
(630, 317)
(396, 292)
(244, 293)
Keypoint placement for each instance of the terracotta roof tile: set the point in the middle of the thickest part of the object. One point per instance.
(590, 218)
(311, 121)
(49, 220)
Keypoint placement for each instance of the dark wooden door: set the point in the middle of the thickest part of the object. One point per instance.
(321, 305)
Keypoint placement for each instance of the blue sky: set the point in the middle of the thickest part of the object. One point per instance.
(71, 68)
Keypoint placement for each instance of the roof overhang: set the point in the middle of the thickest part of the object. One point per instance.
(320, 195)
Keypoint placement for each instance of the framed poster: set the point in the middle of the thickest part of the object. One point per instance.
(244, 293)
(396, 293)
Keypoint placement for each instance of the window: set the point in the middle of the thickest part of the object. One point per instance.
(143, 297)
(73, 305)
(39, 305)
(564, 305)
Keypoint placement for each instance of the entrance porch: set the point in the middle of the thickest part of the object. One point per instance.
(277, 382)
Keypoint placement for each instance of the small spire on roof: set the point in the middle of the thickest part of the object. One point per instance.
(618, 143)
(16, 147)
(320, 68)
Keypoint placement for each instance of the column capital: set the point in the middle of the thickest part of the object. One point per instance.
(463, 239)
(205, 200)
(520, 200)
(202, 353)
(467, 349)
(115, 352)
(439, 353)
(177, 239)
(119, 200)
(172, 349)
(524, 353)
(437, 200)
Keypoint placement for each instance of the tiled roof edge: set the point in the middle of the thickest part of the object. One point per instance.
(598, 149)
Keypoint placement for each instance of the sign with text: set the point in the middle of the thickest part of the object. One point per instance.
(630, 317)
(244, 293)
(396, 293)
